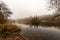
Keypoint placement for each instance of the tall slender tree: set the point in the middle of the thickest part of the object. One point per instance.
(35, 21)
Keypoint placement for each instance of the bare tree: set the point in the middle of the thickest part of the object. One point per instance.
(55, 4)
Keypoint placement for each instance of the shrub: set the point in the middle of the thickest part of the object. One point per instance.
(7, 29)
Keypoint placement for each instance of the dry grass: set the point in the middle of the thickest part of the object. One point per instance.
(10, 32)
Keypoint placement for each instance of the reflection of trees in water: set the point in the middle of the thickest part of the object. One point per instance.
(34, 26)
(34, 22)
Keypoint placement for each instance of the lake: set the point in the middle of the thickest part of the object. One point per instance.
(40, 33)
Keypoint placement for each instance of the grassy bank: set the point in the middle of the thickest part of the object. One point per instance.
(10, 32)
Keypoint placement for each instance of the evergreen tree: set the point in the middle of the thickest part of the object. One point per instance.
(4, 12)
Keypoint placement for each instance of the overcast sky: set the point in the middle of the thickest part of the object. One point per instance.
(25, 8)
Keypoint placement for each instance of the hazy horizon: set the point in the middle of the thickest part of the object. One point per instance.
(25, 8)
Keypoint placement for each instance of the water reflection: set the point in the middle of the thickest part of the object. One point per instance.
(40, 33)
(34, 26)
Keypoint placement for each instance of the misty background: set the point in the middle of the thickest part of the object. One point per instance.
(26, 8)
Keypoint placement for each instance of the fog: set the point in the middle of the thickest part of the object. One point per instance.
(26, 8)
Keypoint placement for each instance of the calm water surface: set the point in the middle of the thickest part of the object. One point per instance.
(40, 33)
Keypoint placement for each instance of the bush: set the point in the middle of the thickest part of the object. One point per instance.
(7, 29)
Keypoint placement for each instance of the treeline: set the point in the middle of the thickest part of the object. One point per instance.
(51, 20)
